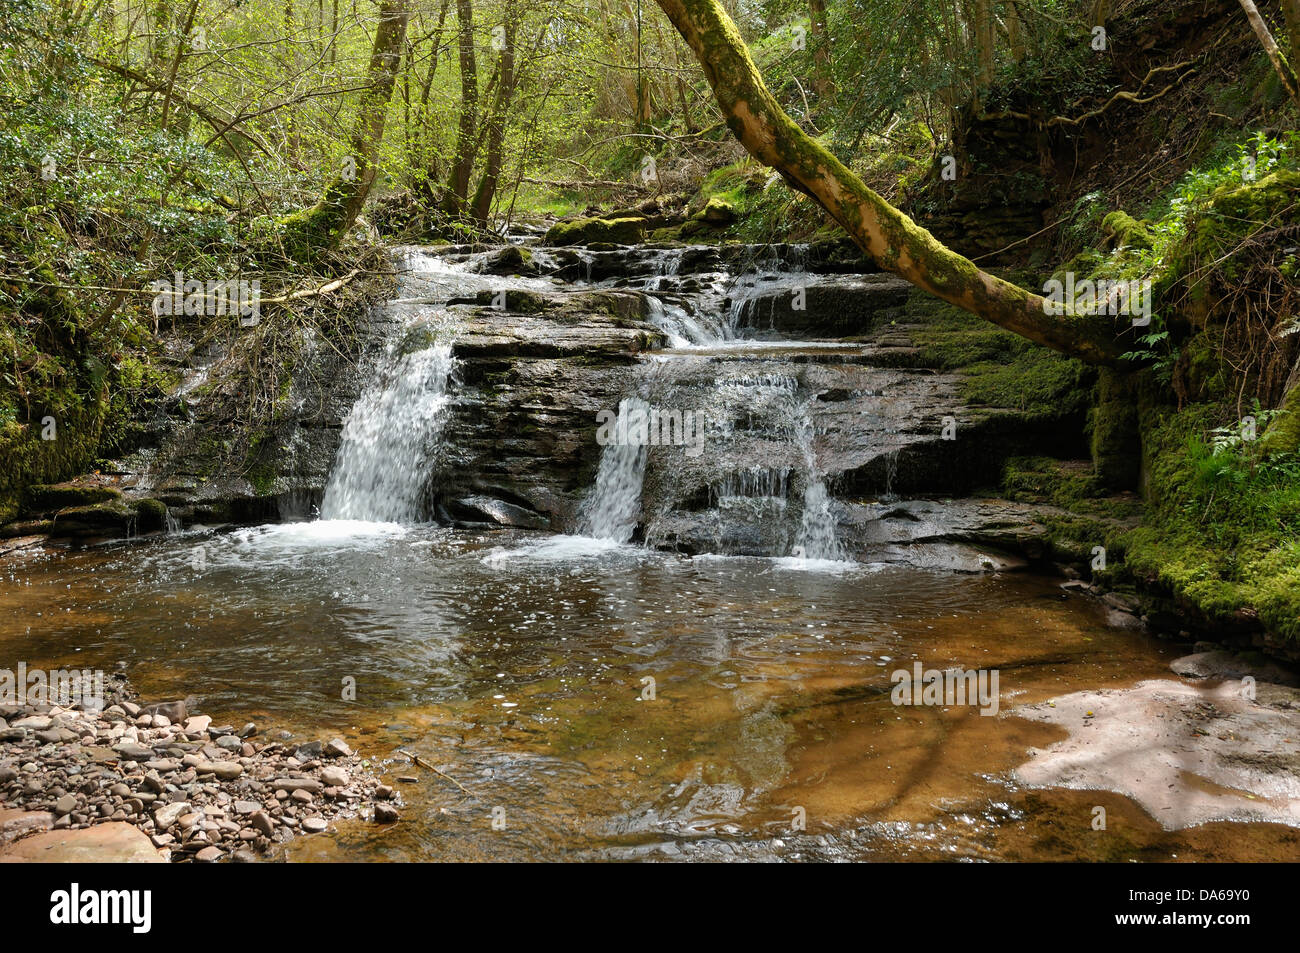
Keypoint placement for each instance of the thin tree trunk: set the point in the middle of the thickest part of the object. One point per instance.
(176, 63)
(1291, 11)
(463, 163)
(891, 238)
(427, 187)
(325, 224)
(1280, 65)
(481, 206)
(823, 82)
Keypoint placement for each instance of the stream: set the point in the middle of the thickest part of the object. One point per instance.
(698, 667)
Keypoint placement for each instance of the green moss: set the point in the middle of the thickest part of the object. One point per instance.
(1113, 430)
(1222, 532)
(45, 498)
(1122, 230)
(627, 230)
(151, 514)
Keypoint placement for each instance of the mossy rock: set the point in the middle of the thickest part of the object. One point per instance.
(1122, 230)
(49, 498)
(717, 212)
(1114, 432)
(112, 518)
(511, 260)
(586, 231)
(150, 514)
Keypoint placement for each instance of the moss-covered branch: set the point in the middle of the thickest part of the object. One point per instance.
(882, 231)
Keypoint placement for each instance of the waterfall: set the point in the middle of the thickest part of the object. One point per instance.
(613, 507)
(816, 538)
(389, 439)
(682, 328)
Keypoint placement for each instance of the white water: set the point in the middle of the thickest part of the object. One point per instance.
(391, 438)
(817, 538)
(388, 440)
(613, 507)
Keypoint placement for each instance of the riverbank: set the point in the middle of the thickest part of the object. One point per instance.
(162, 778)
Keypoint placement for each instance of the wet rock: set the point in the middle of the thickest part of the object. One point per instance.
(1218, 663)
(173, 711)
(386, 814)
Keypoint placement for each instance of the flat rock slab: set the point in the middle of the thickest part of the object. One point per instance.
(18, 823)
(111, 843)
(1188, 754)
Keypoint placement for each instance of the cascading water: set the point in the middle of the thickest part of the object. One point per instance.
(613, 508)
(391, 439)
(388, 440)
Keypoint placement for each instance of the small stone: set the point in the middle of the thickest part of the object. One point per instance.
(130, 751)
(174, 712)
(315, 825)
(229, 743)
(246, 807)
(120, 790)
(168, 814)
(295, 784)
(304, 797)
(209, 855)
(334, 777)
(248, 730)
(65, 805)
(197, 724)
(34, 723)
(385, 814)
(262, 822)
(384, 792)
(337, 748)
(307, 752)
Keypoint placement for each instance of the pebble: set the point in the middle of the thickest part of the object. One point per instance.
(201, 793)
(337, 748)
(334, 777)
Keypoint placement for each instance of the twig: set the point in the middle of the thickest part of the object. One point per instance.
(415, 758)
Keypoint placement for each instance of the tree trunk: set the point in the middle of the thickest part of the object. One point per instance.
(1291, 11)
(481, 206)
(891, 238)
(1280, 65)
(823, 82)
(325, 224)
(463, 164)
